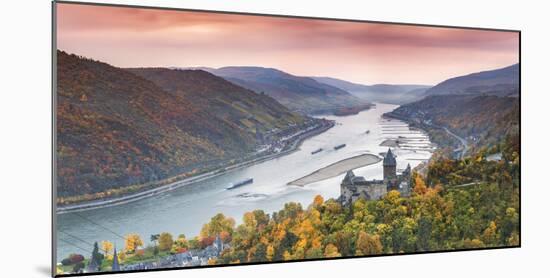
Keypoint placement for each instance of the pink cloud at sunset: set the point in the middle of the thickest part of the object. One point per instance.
(360, 52)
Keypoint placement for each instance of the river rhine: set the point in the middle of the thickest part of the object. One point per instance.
(186, 209)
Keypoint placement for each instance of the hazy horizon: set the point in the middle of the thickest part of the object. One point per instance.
(363, 53)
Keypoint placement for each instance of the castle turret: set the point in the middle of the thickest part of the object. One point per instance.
(407, 172)
(390, 166)
(348, 179)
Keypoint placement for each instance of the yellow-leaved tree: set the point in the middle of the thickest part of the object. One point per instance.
(218, 224)
(489, 235)
(318, 200)
(107, 247)
(165, 241)
(368, 244)
(132, 242)
(420, 187)
(270, 251)
(331, 251)
(121, 256)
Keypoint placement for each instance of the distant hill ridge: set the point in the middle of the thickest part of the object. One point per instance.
(503, 81)
(387, 93)
(301, 94)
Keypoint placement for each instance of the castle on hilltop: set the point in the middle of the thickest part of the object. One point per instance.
(354, 187)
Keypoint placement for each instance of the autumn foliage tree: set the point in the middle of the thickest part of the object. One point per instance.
(368, 244)
(331, 251)
(180, 245)
(218, 224)
(132, 242)
(419, 185)
(107, 247)
(165, 241)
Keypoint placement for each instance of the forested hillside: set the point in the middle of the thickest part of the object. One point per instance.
(441, 215)
(484, 120)
(119, 132)
(229, 102)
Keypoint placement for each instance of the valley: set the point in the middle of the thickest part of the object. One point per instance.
(119, 133)
(190, 138)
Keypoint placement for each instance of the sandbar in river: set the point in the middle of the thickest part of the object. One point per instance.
(337, 169)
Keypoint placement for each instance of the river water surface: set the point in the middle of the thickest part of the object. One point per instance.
(186, 209)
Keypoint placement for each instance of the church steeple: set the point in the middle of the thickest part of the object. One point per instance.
(115, 266)
(95, 260)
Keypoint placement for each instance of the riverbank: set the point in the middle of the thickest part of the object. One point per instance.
(347, 111)
(337, 169)
(290, 148)
(460, 149)
(343, 111)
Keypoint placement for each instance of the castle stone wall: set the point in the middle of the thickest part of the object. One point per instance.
(353, 188)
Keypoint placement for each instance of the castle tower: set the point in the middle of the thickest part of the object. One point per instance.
(390, 166)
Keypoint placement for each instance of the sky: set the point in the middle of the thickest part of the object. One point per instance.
(367, 53)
